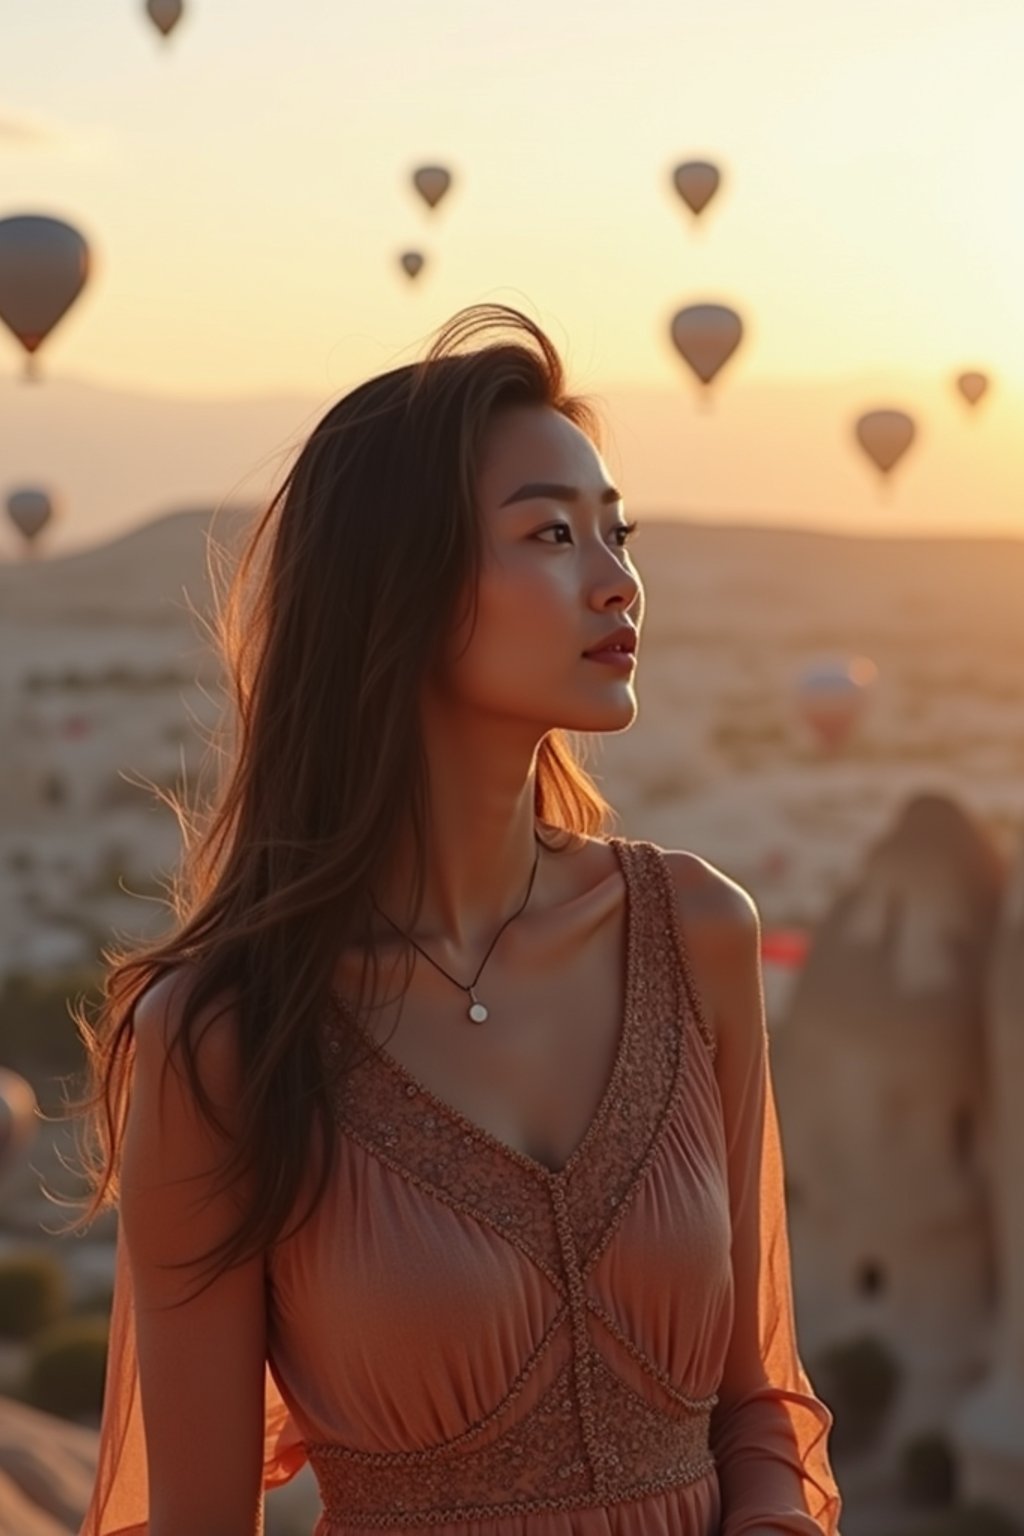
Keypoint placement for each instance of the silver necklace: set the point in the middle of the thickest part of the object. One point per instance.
(477, 1009)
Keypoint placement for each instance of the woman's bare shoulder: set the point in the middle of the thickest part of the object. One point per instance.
(709, 898)
(157, 1023)
(720, 928)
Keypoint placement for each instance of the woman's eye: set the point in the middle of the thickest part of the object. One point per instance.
(627, 529)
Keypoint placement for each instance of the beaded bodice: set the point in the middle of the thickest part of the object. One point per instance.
(575, 1429)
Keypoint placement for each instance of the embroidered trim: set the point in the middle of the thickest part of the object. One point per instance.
(535, 1466)
(590, 1437)
(487, 1194)
(695, 1404)
(382, 1107)
(637, 919)
(678, 944)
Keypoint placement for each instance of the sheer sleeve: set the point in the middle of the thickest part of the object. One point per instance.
(119, 1502)
(769, 1429)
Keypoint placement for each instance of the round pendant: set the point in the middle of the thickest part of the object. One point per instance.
(478, 1013)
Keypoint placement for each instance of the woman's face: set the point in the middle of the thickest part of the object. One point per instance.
(556, 578)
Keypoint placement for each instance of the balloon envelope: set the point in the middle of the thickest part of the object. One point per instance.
(706, 336)
(44, 264)
(412, 261)
(885, 436)
(696, 181)
(785, 946)
(832, 694)
(972, 386)
(431, 182)
(18, 1122)
(29, 510)
(164, 14)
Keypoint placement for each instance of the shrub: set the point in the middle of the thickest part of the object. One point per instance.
(33, 1294)
(928, 1470)
(54, 789)
(39, 1034)
(859, 1379)
(983, 1520)
(67, 1369)
(99, 1298)
(974, 1519)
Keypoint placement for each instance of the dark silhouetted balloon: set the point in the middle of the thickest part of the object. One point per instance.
(885, 436)
(44, 264)
(29, 509)
(164, 14)
(696, 181)
(431, 182)
(413, 262)
(706, 336)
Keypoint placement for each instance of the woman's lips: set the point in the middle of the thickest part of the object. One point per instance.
(624, 660)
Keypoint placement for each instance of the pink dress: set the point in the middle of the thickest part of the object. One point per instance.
(462, 1340)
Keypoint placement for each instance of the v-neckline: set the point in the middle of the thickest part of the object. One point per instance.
(551, 1176)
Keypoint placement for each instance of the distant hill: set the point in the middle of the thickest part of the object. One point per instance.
(718, 758)
(719, 576)
(116, 456)
(765, 452)
(138, 577)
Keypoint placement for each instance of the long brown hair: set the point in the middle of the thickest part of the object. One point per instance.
(343, 593)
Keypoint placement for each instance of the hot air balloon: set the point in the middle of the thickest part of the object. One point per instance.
(696, 181)
(29, 509)
(885, 436)
(706, 336)
(832, 694)
(785, 946)
(783, 953)
(164, 14)
(44, 264)
(431, 182)
(412, 261)
(972, 386)
(18, 1122)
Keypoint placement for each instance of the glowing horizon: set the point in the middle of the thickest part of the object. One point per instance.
(860, 219)
(244, 186)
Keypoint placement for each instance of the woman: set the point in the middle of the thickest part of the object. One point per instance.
(538, 1278)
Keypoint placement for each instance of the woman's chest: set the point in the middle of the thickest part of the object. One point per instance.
(534, 1073)
(425, 1278)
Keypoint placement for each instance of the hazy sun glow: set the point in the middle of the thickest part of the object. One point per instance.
(245, 188)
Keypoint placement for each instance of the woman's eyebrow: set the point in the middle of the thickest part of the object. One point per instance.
(548, 491)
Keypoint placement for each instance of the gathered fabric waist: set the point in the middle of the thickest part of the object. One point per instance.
(543, 1462)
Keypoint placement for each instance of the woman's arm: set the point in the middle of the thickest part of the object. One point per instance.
(769, 1429)
(201, 1363)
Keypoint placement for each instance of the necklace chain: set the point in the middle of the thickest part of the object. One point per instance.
(477, 1010)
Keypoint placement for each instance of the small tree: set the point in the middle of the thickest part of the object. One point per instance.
(859, 1380)
(40, 1037)
(67, 1370)
(974, 1519)
(928, 1469)
(33, 1293)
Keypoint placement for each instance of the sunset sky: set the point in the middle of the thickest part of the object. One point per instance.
(245, 190)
